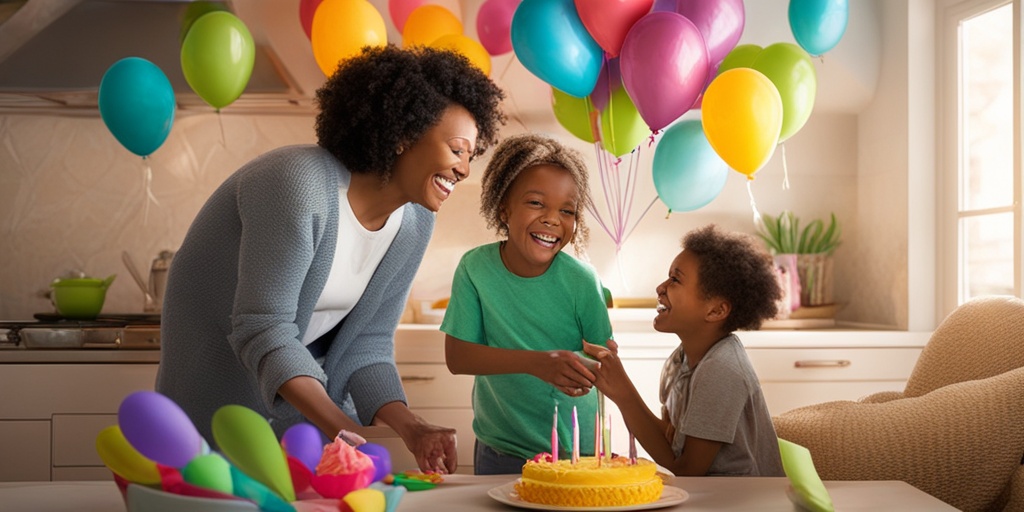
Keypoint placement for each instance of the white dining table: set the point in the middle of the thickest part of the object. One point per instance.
(474, 493)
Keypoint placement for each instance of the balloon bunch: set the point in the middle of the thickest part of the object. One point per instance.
(339, 29)
(154, 444)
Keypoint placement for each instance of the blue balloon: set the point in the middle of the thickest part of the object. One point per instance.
(818, 25)
(688, 174)
(550, 40)
(137, 104)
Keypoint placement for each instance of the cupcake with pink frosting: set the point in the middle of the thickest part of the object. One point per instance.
(342, 468)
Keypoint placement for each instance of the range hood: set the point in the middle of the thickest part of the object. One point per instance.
(53, 53)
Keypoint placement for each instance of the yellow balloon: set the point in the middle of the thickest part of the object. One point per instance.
(341, 28)
(472, 50)
(742, 117)
(365, 500)
(122, 458)
(427, 23)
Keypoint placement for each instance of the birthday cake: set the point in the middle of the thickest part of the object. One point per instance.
(613, 482)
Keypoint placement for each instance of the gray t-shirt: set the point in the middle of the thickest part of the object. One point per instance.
(721, 400)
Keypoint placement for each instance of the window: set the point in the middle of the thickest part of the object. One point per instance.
(980, 242)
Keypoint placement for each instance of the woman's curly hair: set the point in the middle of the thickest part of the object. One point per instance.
(520, 152)
(732, 266)
(386, 98)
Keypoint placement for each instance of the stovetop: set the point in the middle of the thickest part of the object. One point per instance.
(108, 331)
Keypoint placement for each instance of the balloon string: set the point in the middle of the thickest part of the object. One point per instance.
(220, 121)
(753, 205)
(785, 169)
(511, 98)
(642, 215)
(147, 181)
(592, 208)
(634, 171)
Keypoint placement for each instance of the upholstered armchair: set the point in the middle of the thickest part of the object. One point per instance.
(957, 429)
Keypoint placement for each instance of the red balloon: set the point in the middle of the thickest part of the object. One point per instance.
(493, 25)
(307, 8)
(664, 65)
(608, 21)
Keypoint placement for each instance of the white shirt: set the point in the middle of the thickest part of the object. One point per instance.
(354, 264)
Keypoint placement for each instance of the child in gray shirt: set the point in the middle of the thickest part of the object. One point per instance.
(714, 418)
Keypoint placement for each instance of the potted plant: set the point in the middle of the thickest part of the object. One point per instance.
(808, 250)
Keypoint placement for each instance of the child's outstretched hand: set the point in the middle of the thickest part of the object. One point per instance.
(611, 376)
(564, 370)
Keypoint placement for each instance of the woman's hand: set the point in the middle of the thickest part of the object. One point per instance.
(564, 370)
(433, 447)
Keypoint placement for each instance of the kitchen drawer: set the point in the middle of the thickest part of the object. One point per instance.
(833, 364)
(25, 451)
(45, 389)
(74, 438)
(432, 385)
(462, 421)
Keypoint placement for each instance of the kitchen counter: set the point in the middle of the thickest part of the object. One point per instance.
(472, 493)
(87, 356)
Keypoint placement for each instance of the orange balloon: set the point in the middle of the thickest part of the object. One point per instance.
(742, 117)
(472, 50)
(427, 23)
(341, 28)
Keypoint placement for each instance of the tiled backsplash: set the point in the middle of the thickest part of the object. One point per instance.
(71, 197)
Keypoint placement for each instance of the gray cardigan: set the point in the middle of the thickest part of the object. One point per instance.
(242, 288)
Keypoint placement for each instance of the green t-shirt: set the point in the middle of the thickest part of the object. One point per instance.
(554, 311)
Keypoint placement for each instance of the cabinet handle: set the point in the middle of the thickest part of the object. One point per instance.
(822, 363)
(416, 378)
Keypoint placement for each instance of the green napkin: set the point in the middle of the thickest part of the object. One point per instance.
(806, 484)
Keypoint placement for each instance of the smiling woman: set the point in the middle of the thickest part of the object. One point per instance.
(288, 287)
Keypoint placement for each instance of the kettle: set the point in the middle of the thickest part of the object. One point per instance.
(158, 277)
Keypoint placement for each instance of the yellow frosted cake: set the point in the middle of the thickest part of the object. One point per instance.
(584, 484)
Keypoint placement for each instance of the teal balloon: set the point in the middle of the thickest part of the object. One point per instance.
(818, 25)
(549, 39)
(688, 174)
(137, 104)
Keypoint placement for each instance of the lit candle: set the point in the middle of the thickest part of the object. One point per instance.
(554, 436)
(575, 436)
(597, 437)
(632, 449)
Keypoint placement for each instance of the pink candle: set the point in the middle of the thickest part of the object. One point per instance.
(554, 436)
(575, 436)
(597, 437)
(606, 448)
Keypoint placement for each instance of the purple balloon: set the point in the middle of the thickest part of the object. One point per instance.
(304, 442)
(381, 459)
(608, 81)
(664, 64)
(719, 21)
(159, 429)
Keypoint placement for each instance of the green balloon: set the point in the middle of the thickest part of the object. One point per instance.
(574, 114)
(789, 67)
(741, 56)
(248, 441)
(210, 471)
(622, 128)
(217, 56)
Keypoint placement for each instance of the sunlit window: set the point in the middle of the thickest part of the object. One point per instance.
(988, 216)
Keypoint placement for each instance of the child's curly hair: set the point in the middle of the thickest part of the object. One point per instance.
(733, 266)
(520, 152)
(386, 98)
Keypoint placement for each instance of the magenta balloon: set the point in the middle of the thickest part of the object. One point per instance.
(493, 25)
(719, 21)
(664, 64)
(304, 442)
(159, 429)
(608, 81)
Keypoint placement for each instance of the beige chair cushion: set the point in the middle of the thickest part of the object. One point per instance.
(981, 338)
(961, 443)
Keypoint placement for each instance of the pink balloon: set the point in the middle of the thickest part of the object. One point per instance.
(608, 81)
(719, 21)
(664, 64)
(400, 10)
(493, 25)
(608, 21)
(307, 8)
